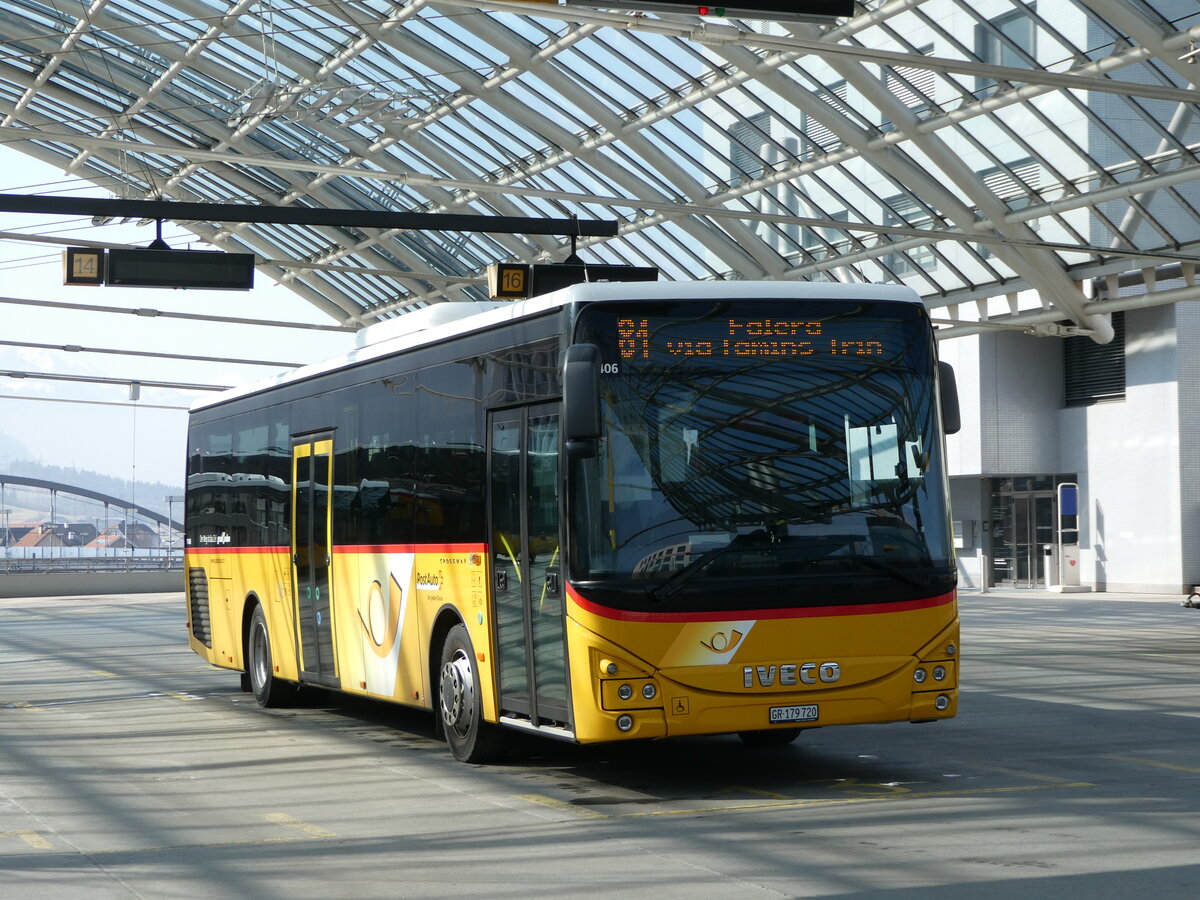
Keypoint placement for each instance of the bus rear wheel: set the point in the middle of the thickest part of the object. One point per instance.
(774, 737)
(471, 739)
(268, 690)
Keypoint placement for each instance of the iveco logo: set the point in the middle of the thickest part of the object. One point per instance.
(790, 674)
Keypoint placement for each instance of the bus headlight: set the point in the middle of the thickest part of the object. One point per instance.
(939, 673)
(919, 675)
(625, 692)
(649, 691)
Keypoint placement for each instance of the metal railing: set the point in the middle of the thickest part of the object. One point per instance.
(44, 565)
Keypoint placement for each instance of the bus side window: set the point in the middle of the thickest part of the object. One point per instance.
(450, 476)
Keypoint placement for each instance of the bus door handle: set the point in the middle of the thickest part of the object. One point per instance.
(553, 582)
(501, 580)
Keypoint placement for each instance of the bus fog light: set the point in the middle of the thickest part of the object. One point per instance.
(942, 703)
(919, 676)
(625, 692)
(625, 723)
(939, 673)
(649, 691)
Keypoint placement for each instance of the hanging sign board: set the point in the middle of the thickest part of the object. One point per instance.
(819, 11)
(83, 265)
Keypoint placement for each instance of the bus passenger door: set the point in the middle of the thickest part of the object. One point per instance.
(312, 548)
(527, 582)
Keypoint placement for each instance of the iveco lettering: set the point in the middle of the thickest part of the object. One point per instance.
(791, 674)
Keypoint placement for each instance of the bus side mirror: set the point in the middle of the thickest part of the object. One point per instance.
(951, 414)
(581, 400)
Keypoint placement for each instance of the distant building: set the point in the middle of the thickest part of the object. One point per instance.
(15, 532)
(81, 534)
(47, 534)
(127, 536)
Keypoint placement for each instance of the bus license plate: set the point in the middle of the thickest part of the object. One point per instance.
(804, 713)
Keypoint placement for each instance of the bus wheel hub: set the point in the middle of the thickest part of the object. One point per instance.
(457, 693)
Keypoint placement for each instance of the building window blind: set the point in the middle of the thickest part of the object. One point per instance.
(818, 138)
(1095, 372)
(912, 86)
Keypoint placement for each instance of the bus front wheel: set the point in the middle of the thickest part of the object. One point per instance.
(268, 690)
(471, 739)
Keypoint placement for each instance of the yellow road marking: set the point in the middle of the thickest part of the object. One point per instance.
(32, 838)
(854, 786)
(1158, 765)
(563, 806)
(741, 789)
(179, 695)
(1032, 776)
(98, 852)
(21, 704)
(287, 821)
(105, 674)
(797, 804)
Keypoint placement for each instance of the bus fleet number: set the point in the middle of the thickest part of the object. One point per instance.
(610, 369)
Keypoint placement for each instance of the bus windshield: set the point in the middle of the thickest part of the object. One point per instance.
(761, 454)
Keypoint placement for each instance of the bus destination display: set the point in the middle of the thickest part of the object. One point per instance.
(645, 338)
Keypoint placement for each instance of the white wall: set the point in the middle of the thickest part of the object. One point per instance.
(1127, 456)
(1127, 453)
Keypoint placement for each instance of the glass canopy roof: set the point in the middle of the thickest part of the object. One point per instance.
(1008, 160)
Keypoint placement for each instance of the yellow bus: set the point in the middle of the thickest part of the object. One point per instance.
(619, 511)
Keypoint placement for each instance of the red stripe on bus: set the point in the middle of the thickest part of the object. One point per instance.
(193, 551)
(803, 612)
(410, 548)
(353, 548)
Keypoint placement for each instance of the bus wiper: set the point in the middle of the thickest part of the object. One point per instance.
(896, 572)
(674, 584)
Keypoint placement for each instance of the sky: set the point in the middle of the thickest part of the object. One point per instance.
(132, 441)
